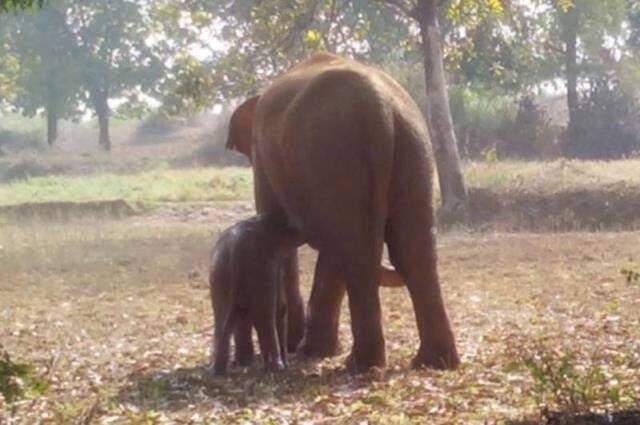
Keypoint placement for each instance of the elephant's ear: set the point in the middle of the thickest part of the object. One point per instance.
(240, 127)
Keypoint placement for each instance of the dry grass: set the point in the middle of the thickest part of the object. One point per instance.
(117, 314)
(550, 177)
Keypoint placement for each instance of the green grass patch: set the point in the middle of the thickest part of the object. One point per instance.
(194, 185)
(235, 183)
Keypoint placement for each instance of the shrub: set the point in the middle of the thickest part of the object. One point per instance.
(559, 380)
(14, 141)
(16, 379)
(524, 137)
(158, 124)
(27, 168)
(606, 123)
(480, 118)
(213, 151)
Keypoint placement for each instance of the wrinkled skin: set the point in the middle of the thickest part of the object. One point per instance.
(247, 289)
(342, 152)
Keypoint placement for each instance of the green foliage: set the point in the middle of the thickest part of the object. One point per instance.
(490, 154)
(15, 5)
(198, 185)
(480, 116)
(559, 380)
(484, 47)
(262, 38)
(18, 379)
(12, 141)
(631, 275)
(158, 124)
(18, 133)
(48, 72)
(605, 122)
(480, 108)
(70, 55)
(119, 56)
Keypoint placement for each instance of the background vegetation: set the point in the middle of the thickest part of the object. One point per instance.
(535, 78)
(114, 182)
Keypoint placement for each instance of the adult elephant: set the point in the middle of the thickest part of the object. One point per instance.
(342, 151)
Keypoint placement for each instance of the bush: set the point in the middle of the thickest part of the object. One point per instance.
(213, 151)
(532, 134)
(27, 168)
(13, 141)
(16, 379)
(480, 118)
(561, 381)
(158, 124)
(606, 123)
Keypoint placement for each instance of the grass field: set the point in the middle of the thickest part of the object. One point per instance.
(115, 315)
(235, 183)
(152, 187)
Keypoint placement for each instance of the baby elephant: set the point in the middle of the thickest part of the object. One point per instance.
(247, 287)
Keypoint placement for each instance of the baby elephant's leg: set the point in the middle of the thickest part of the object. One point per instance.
(222, 345)
(244, 345)
(282, 317)
(264, 320)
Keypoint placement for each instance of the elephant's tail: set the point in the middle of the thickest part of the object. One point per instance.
(390, 278)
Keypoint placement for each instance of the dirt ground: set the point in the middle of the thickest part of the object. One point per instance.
(115, 314)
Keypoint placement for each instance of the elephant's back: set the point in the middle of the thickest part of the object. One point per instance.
(326, 135)
(324, 82)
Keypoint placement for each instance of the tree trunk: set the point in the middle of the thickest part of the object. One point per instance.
(101, 106)
(104, 140)
(52, 126)
(443, 138)
(571, 69)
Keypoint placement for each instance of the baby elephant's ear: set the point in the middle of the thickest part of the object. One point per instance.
(240, 127)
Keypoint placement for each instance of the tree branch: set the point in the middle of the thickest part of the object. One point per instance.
(403, 7)
(325, 34)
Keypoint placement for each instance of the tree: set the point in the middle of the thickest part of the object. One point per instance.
(48, 76)
(113, 51)
(8, 62)
(569, 43)
(15, 5)
(452, 187)
(266, 37)
(86, 53)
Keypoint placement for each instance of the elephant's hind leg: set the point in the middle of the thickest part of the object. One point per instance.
(294, 302)
(410, 236)
(366, 315)
(321, 334)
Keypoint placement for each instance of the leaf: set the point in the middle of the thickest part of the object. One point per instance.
(496, 6)
(565, 5)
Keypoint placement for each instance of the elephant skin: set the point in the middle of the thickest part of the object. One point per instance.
(342, 152)
(247, 290)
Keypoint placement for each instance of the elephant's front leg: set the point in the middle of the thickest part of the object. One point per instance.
(321, 333)
(295, 304)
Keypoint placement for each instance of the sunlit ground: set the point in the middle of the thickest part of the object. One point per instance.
(116, 316)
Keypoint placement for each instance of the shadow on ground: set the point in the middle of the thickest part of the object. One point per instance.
(304, 381)
(622, 417)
